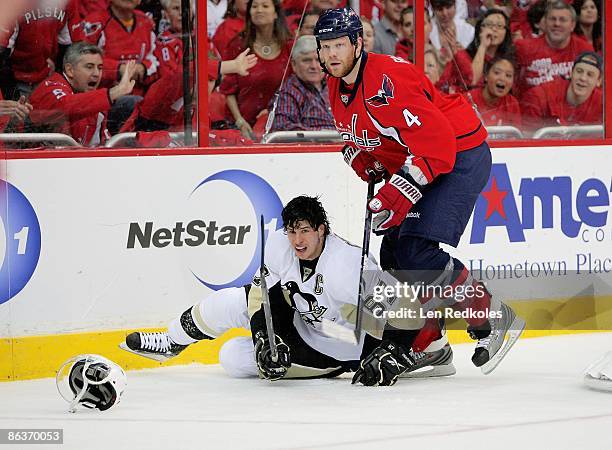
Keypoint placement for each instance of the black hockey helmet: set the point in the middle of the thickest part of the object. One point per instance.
(335, 23)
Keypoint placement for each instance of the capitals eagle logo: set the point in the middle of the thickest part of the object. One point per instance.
(384, 93)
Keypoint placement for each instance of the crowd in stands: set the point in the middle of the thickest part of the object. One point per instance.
(94, 68)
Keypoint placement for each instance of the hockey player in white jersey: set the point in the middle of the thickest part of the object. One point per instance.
(313, 274)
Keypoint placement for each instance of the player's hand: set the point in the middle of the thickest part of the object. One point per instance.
(269, 369)
(126, 84)
(362, 163)
(20, 109)
(393, 202)
(384, 365)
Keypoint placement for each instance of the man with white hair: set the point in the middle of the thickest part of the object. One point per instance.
(302, 102)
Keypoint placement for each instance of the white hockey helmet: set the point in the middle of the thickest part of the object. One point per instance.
(91, 381)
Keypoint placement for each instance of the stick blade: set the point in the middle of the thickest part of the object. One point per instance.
(337, 331)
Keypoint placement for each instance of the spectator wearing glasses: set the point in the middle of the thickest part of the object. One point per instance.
(387, 31)
(495, 103)
(492, 39)
(550, 56)
(303, 102)
(577, 101)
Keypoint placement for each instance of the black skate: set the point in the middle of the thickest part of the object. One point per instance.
(157, 346)
(491, 347)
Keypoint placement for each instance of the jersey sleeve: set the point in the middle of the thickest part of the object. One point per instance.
(419, 125)
(61, 101)
(534, 107)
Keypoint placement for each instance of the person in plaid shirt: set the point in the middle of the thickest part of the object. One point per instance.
(302, 103)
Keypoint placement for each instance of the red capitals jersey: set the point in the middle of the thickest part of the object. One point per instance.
(539, 63)
(36, 37)
(121, 45)
(58, 109)
(169, 52)
(394, 111)
(546, 105)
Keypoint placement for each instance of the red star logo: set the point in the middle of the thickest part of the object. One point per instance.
(495, 199)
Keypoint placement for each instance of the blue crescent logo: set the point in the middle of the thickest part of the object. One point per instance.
(19, 241)
(265, 201)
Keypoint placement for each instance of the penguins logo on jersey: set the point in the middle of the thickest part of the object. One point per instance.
(384, 93)
(314, 312)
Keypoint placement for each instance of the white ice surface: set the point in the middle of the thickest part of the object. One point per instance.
(535, 399)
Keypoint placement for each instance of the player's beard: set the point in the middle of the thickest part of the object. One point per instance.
(347, 68)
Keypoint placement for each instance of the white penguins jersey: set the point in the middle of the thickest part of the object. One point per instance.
(333, 284)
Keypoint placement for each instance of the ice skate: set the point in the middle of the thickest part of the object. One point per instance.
(491, 347)
(435, 361)
(157, 346)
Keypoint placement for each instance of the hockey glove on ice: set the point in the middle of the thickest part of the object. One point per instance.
(362, 162)
(384, 365)
(267, 368)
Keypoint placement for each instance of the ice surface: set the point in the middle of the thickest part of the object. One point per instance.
(534, 399)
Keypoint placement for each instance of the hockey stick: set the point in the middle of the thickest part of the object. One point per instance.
(334, 329)
(265, 298)
(365, 250)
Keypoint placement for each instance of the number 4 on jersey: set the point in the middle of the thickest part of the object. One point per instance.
(410, 118)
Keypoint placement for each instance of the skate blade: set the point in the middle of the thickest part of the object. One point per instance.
(444, 370)
(514, 332)
(597, 383)
(154, 357)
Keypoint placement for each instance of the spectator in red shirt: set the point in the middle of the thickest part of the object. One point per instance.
(232, 25)
(72, 103)
(589, 22)
(491, 39)
(404, 47)
(34, 44)
(268, 37)
(577, 101)
(124, 34)
(550, 56)
(495, 103)
(525, 17)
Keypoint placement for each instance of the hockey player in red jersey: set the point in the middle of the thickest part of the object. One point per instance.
(71, 102)
(430, 150)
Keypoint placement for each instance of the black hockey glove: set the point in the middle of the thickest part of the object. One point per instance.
(269, 369)
(384, 365)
